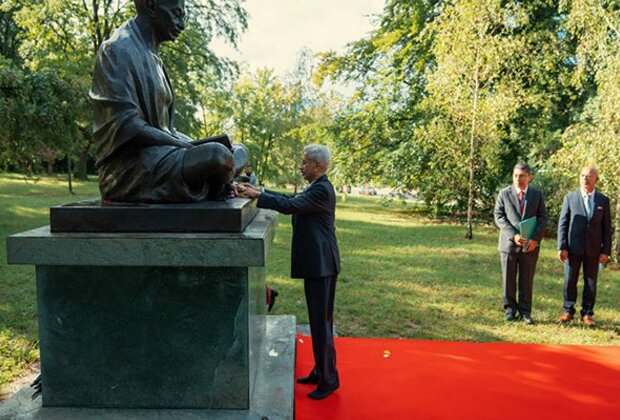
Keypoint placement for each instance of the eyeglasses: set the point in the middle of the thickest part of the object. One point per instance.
(180, 15)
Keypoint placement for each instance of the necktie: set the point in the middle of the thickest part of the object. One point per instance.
(521, 202)
(587, 205)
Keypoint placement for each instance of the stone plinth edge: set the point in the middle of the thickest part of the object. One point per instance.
(231, 215)
(245, 249)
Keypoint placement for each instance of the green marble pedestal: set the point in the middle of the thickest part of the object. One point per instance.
(149, 320)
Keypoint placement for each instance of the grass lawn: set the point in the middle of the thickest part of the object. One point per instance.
(403, 276)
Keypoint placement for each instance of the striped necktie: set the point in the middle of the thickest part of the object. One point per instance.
(521, 202)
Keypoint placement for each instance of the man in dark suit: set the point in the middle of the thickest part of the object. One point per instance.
(515, 203)
(584, 239)
(314, 257)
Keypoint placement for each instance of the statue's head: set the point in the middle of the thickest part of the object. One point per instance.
(168, 17)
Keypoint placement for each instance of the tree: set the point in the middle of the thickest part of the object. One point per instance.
(388, 70)
(9, 33)
(450, 95)
(259, 117)
(594, 137)
(37, 111)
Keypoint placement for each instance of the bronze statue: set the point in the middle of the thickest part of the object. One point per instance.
(140, 156)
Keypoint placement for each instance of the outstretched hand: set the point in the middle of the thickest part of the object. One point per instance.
(247, 190)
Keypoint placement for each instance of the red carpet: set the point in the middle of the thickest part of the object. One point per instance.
(411, 379)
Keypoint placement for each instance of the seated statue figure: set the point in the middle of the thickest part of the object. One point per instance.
(140, 155)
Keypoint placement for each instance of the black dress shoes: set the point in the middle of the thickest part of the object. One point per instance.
(528, 320)
(310, 379)
(323, 391)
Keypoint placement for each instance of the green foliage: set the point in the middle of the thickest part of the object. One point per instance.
(593, 138)
(39, 110)
(9, 33)
(450, 95)
(200, 78)
(275, 117)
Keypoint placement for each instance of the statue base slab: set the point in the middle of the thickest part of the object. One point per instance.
(232, 215)
(272, 398)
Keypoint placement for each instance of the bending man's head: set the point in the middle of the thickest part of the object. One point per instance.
(315, 162)
(167, 17)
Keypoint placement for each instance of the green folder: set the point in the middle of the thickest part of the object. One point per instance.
(527, 227)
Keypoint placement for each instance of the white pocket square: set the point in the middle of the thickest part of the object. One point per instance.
(599, 208)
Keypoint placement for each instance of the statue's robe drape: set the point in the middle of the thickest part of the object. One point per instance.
(130, 90)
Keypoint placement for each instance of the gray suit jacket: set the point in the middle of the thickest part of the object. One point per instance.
(579, 235)
(507, 216)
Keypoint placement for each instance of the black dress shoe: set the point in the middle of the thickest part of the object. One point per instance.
(310, 379)
(323, 392)
(510, 317)
(528, 320)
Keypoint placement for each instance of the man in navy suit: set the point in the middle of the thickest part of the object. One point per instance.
(515, 203)
(314, 257)
(584, 240)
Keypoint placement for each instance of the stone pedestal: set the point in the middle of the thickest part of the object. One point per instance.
(149, 320)
(272, 397)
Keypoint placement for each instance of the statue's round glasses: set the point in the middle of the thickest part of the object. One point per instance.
(180, 14)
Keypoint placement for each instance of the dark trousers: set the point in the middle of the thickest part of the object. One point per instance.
(571, 276)
(320, 294)
(520, 266)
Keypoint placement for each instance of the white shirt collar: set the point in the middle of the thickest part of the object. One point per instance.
(585, 194)
(524, 191)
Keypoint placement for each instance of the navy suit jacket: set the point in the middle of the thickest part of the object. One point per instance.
(314, 250)
(508, 216)
(579, 235)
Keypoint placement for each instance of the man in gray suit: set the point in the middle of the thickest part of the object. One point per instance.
(518, 255)
(584, 239)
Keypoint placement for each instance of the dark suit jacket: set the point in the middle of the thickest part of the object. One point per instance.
(507, 216)
(579, 235)
(314, 250)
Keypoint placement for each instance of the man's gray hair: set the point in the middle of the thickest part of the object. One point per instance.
(319, 153)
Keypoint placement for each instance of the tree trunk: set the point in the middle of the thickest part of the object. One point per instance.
(259, 163)
(82, 166)
(617, 231)
(264, 157)
(472, 152)
(296, 184)
(70, 175)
